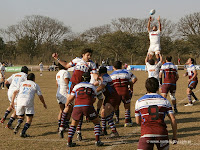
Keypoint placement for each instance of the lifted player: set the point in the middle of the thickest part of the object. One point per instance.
(154, 37)
(193, 81)
(170, 78)
(111, 101)
(121, 79)
(13, 82)
(150, 112)
(25, 102)
(84, 94)
(62, 81)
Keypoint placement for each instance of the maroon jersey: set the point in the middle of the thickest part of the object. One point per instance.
(121, 79)
(85, 94)
(152, 109)
(170, 73)
(80, 67)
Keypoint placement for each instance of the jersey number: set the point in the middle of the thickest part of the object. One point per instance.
(84, 90)
(156, 113)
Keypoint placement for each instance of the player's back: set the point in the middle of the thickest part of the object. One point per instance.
(16, 79)
(153, 70)
(85, 93)
(120, 79)
(153, 108)
(60, 78)
(27, 91)
(170, 73)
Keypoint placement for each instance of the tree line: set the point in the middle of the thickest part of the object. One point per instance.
(36, 37)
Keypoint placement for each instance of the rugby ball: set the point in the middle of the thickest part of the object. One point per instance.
(152, 12)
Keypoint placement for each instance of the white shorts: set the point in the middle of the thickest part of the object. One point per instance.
(22, 110)
(154, 49)
(61, 99)
(10, 94)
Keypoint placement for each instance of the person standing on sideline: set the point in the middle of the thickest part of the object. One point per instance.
(2, 75)
(41, 68)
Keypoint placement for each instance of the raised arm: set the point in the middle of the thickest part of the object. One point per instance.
(149, 24)
(63, 63)
(159, 28)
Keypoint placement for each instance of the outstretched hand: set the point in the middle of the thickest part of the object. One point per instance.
(150, 18)
(158, 18)
(55, 55)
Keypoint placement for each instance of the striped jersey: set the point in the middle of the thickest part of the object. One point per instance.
(152, 108)
(84, 93)
(190, 71)
(121, 79)
(80, 67)
(170, 73)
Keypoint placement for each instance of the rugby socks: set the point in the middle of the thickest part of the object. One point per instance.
(127, 116)
(117, 114)
(103, 121)
(26, 126)
(111, 122)
(63, 118)
(194, 96)
(71, 133)
(175, 106)
(59, 122)
(19, 121)
(6, 114)
(97, 130)
(11, 121)
(80, 125)
(189, 98)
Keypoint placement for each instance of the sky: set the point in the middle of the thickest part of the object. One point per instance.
(81, 15)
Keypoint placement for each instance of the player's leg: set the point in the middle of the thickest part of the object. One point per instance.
(164, 90)
(127, 101)
(78, 130)
(189, 91)
(12, 118)
(62, 107)
(172, 96)
(117, 114)
(193, 86)
(7, 112)
(157, 53)
(19, 122)
(29, 118)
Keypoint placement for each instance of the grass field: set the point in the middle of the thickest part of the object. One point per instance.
(44, 134)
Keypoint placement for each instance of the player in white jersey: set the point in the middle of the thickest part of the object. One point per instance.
(152, 68)
(41, 68)
(62, 81)
(99, 94)
(25, 102)
(2, 75)
(12, 82)
(154, 37)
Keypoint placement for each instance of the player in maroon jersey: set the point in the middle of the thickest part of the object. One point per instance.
(171, 76)
(111, 100)
(84, 94)
(121, 79)
(150, 112)
(81, 65)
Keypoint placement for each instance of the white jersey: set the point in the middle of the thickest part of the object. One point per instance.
(16, 79)
(153, 70)
(60, 78)
(154, 37)
(27, 91)
(92, 81)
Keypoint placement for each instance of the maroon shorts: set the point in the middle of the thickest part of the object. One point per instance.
(192, 84)
(168, 88)
(114, 100)
(126, 99)
(87, 111)
(147, 143)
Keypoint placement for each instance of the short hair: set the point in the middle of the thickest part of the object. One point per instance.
(117, 64)
(152, 85)
(86, 77)
(31, 76)
(151, 61)
(86, 50)
(169, 58)
(24, 69)
(61, 66)
(192, 59)
(102, 70)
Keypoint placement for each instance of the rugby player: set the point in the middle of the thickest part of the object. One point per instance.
(121, 79)
(150, 112)
(192, 82)
(170, 78)
(111, 101)
(12, 82)
(154, 37)
(62, 81)
(25, 102)
(84, 94)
